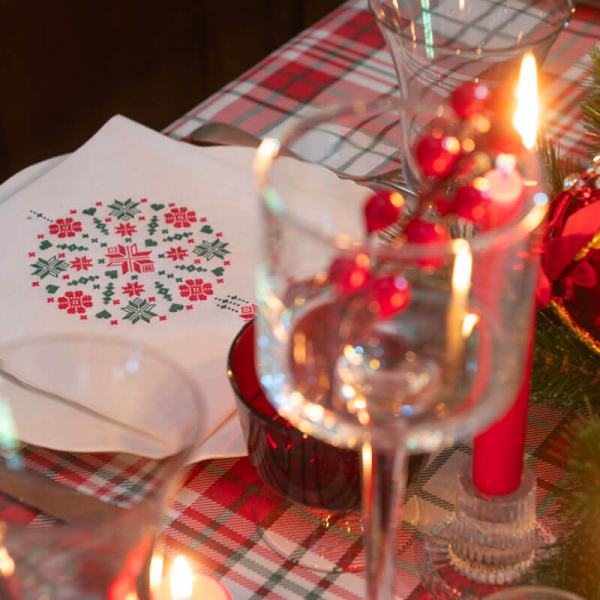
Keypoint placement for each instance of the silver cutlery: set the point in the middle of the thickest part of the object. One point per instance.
(229, 135)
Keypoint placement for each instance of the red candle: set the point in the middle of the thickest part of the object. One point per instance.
(498, 453)
(505, 189)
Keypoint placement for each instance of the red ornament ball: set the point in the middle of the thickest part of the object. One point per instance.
(469, 99)
(437, 153)
(350, 275)
(389, 296)
(382, 209)
(472, 203)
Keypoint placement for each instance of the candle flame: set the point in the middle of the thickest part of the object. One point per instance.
(367, 467)
(156, 571)
(526, 116)
(7, 564)
(268, 149)
(463, 265)
(469, 323)
(181, 579)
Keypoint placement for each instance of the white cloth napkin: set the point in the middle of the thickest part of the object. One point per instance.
(139, 236)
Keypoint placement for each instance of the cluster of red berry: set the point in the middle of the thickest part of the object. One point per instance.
(387, 295)
(470, 174)
(469, 169)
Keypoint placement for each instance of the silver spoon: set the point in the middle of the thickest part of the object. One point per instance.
(229, 135)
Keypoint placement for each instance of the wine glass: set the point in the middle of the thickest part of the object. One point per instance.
(94, 432)
(374, 343)
(308, 510)
(437, 46)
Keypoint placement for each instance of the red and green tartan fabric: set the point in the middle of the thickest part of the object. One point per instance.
(340, 58)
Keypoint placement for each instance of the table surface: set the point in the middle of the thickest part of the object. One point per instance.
(341, 58)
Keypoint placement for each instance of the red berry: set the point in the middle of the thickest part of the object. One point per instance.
(443, 204)
(472, 203)
(470, 98)
(437, 153)
(350, 275)
(419, 231)
(383, 209)
(474, 162)
(389, 295)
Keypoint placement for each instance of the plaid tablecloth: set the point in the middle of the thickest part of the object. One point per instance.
(341, 58)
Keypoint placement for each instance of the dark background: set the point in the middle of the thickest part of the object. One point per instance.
(68, 66)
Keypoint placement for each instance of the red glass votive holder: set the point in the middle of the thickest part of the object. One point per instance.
(322, 527)
(299, 467)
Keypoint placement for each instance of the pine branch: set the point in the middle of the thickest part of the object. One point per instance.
(557, 168)
(566, 372)
(566, 375)
(591, 104)
(574, 559)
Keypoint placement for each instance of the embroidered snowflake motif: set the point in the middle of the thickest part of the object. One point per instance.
(65, 227)
(180, 217)
(129, 258)
(133, 289)
(178, 253)
(196, 289)
(249, 312)
(53, 267)
(139, 310)
(125, 229)
(211, 249)
(75, 302)
(124, 210)
(133, 261)
(81, 263)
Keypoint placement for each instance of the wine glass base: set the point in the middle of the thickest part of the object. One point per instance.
(326, 541)
(442, 579)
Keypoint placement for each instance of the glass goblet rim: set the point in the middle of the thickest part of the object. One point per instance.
(269, 151)
(420, 437)
(479, 53)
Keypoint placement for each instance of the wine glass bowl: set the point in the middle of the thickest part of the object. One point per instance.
(95, 432)
(369, 340)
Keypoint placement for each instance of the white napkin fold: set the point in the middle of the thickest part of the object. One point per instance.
(139, 236)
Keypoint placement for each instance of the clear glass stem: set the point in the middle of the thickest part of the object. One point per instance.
(383, 481)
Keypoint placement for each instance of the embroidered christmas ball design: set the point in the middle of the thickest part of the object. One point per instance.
(132, 262)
